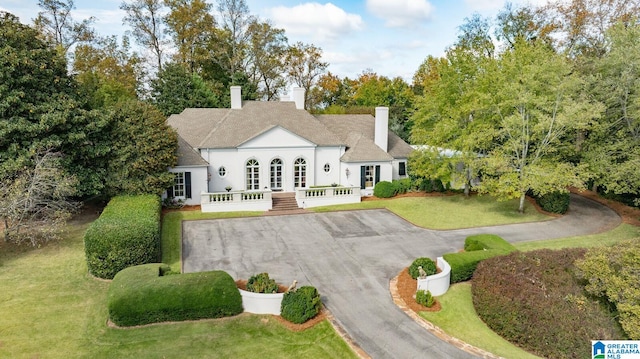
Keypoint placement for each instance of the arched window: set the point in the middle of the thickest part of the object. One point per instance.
(253, 175)
(300, 173)
(276, 174)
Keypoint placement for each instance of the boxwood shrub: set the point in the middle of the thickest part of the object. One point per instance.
(261, 283)
(126, 234)
(300, 305)
(477, 248)
(384, 189)
(142, 295)
(428, 265)
(554, 202)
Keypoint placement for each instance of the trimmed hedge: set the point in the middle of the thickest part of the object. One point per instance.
(384, 189)
(300, 305)
(480, 242)
(477, 248)
(142, 295)
(428, 265)
(554, 202)
(126, 234)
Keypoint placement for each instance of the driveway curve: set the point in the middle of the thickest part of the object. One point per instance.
(351, 257)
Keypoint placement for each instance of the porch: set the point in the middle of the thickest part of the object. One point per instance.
(264, 200)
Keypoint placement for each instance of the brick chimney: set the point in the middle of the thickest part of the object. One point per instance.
(382, 128)
(236, 97)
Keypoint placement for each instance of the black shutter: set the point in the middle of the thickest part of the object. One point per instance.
(170, 192)
(362, 179)
(187, 184)
(402, 170)
(377, 175)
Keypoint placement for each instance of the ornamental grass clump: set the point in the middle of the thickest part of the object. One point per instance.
(261, 283)
(424, 298)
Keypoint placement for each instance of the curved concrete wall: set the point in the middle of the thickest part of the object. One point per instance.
(437, 284)
(261, 303)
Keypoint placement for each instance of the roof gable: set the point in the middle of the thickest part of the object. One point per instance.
(276, 136)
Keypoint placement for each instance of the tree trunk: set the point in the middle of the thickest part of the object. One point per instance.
(522, 198)
(467, 189)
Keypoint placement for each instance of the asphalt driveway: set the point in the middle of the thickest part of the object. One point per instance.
(351, 257)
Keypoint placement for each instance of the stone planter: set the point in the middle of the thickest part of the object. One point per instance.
(261, 303)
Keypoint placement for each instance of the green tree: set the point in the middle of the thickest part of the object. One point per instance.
(40, 110)
(612, 273)
(107, 72)
(143, 147)
(235, 19)
(191, 26)
(536, 101)
(612, 147)
(176, 89)
(266, 50)
(56, 23)
(147, 25)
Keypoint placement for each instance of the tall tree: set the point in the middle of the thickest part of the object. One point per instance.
(235, 19)
(535, 100)
(56, 23)
(143, 146)
(304, 66)
(191, 26)
(612, 146)
(107, 72)
(40, 109)
(147, 24)
(266, 50)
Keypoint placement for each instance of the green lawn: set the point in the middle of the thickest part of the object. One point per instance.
(459, 318)
(620, 233)
(51, 308)
(449, 212)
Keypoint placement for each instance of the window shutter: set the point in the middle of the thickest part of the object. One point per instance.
(377, 175)
(187, 184)
(362, 179)
(170, 192)
(402, 170)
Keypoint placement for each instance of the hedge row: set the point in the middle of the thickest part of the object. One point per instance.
(386, 189)
(554, 202)
(477, 248)
(534, 300)
(126, 234)
(142, 295)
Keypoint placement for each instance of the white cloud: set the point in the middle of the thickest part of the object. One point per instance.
(401, 13)
(320, 22)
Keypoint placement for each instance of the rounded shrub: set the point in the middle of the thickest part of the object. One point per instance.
(300, 305)
(261, 283)
(384, 189)
(554, 202)
(424, 298)
(428, 265)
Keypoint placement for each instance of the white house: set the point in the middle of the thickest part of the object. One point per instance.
(238, 158)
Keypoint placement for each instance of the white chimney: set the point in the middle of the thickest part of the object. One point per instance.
(236, 97)
(298, 97)
(285, 98)
(382, 128)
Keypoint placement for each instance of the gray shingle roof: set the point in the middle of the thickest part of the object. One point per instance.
(358, 132)
(227, 128)
(187, 156)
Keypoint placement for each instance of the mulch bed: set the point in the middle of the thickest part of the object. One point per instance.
(407, 289)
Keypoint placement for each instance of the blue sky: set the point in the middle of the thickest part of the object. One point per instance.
(390, 37)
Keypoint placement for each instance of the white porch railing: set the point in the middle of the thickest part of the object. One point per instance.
(236, 201)
(326, 196)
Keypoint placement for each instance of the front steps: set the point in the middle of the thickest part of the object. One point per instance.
(284, 203)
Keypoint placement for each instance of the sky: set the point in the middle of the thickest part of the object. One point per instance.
(389, 37)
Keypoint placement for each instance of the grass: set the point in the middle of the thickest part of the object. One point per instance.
(459, 318)
(435, 212)
(51, 308)
(618, 234)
